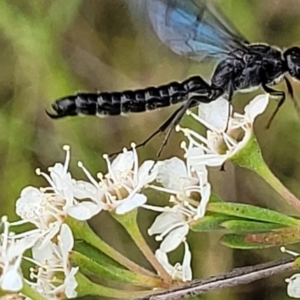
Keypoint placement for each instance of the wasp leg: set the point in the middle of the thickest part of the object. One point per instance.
(161, 129)
(274, 93)
(291, 92)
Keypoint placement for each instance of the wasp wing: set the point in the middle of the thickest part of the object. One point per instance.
(193, 28)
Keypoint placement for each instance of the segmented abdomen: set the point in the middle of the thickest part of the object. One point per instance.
(117, 103)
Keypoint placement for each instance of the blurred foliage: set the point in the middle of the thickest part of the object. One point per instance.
(53, 48)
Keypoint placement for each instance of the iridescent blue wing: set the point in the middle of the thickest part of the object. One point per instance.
(193, 28)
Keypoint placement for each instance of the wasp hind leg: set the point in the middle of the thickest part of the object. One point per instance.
(159, 130)
(291, 93)
(274, 93)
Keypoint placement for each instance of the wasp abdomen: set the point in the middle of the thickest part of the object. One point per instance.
(117, 103)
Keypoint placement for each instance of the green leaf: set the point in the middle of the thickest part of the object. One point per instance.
(238, 241)
(277, 237)
(86, 287)
(208, 223)
(89, 266)
(95, 254)
(82, 231)
(27, 290)
(243, 225)
(252, 212)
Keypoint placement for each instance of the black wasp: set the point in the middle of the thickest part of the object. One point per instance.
(193, 28)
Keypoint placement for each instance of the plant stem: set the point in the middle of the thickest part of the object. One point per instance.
(86, 287)
(271, 179)
(129, 222)
(250, 157)
(90, 266)
(31, 293)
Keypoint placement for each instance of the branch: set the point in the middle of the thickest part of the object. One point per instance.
(236, 277)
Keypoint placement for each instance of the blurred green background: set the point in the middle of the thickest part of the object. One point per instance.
(50, 49)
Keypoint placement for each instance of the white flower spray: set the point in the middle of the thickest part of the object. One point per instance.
(120, 191)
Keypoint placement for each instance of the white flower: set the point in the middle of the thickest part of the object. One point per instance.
(31, 206)
(219, 146)
(191, 192)
(68, 190)
(293, 288)
(171, 227)
(60, 180)
(55, 276)
(12, 248)
(48, 207)
(120, 189)
(187, 184)
(177, 272)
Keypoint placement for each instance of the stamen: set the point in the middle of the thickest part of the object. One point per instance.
(136, 162)
(168, 230)
(67, 159)
(109, 169)
(5, 232)
(229, 141)
(46, 176)
(88, 174)
(284, 250)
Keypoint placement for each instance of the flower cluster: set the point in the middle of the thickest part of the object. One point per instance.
(48, 208)
(120, 191)
(187, 182)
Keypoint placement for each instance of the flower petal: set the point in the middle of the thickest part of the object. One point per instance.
(215, 114)
(131, 203)
(123, 162)
(211, 160)
(84, 210)
(205, 196)
(11, 280)
(256, 107)
(162, 257)
(71, 283)
(170, 172)
(293, 288)
(164, 221)
(66, 241)
(186, 264)
(146, 173)
(174, 238)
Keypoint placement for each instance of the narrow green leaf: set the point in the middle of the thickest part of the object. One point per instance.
(254, 226)
(238, 241)
(27, 291)
(208, 223)
(89, 266)
(82, 231)
(253, 213)
(95, 254)
(277, 237)
(88, 288)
